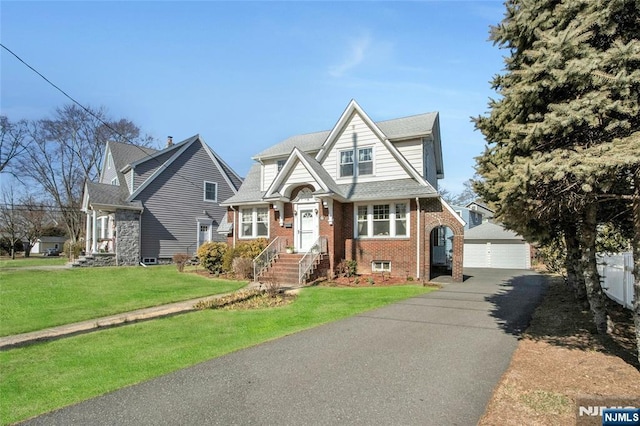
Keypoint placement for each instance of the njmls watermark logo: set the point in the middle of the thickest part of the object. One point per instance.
(608, 411)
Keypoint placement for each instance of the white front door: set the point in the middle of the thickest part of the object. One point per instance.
(204, 234)
(307, 226)
(205, 228)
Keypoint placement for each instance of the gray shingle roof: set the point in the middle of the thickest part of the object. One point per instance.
(381, 190)
(225, 226)
(490, 231)
(124, 153)
(397, 128)
(110, 195)
(250, 190)
(309, 142)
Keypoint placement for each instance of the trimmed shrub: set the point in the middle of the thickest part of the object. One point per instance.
(180, 259)
(211, 255)
(248, 250)
(243, 267)
(347, 268)
(72, 250)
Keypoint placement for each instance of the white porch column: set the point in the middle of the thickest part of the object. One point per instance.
(94, 225)
(87, 234)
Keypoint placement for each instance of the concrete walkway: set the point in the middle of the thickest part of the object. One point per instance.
(429, 360)
(16, 340)
(7, 342)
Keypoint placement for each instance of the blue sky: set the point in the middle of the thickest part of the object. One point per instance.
(246, 75)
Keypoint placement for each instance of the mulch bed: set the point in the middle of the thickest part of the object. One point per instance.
(561, 358)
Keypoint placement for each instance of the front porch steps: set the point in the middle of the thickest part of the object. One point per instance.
(95, 259)
(284, 270)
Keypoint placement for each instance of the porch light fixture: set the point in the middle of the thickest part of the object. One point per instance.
(316, 210)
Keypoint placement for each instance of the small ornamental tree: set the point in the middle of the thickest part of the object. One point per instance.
(211, 255)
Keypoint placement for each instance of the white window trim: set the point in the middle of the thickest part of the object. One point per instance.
(392, 219)
(357, 158)
(204, 191)
(382, 262)
(339, 159)
(356, 168)
(109, 160)
(149, 260)
(115, 181)
(254, 223)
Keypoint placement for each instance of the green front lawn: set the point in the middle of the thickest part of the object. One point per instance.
(33, 260)
(36, 299)
(50, 375)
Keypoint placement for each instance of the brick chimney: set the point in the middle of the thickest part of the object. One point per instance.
(169, 141)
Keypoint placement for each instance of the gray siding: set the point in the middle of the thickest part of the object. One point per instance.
(109, 172)
(174, 201)
(145, 170)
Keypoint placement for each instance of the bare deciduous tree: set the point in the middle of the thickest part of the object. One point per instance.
(66, 150)
(10, 221)
(12, 138)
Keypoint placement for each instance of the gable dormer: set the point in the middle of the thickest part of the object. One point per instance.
(358, 150)
(109, 173)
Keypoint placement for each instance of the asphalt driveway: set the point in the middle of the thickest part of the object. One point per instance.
(429, 360)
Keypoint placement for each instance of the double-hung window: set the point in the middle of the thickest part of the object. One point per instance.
(356, 162)
(382, 220)
(210, 191)
(254, 222)
(365, 161)
(346, 163)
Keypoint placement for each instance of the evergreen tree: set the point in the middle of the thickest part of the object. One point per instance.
(561, 136)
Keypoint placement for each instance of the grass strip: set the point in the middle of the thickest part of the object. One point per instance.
(34, 260)
(50, 375)
(35, 299)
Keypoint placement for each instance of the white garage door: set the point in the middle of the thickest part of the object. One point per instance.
(493, 255)
(475, 256)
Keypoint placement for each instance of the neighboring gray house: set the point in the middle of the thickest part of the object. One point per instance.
(149, 205)
(481, 209)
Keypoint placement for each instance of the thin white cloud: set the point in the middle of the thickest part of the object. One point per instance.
(358, 49)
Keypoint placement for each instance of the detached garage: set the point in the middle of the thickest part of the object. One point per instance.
(491, 246)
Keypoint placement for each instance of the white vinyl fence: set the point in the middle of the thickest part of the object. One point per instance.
(616, 272)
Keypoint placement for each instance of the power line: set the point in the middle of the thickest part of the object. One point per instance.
(88, 111)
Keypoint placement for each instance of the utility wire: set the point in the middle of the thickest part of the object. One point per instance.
(88, 111)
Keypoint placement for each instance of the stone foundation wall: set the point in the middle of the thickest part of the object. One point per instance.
(128, 237)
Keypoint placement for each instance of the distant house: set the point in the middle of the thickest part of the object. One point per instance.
(44, 243)
(149, 205)
(480, 208)
(364, 191)
(490, 245)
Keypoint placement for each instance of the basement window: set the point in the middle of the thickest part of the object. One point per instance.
(381, 266)
(149, 260)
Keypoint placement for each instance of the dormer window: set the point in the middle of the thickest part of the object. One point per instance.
(115, 181)
(362, 162)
